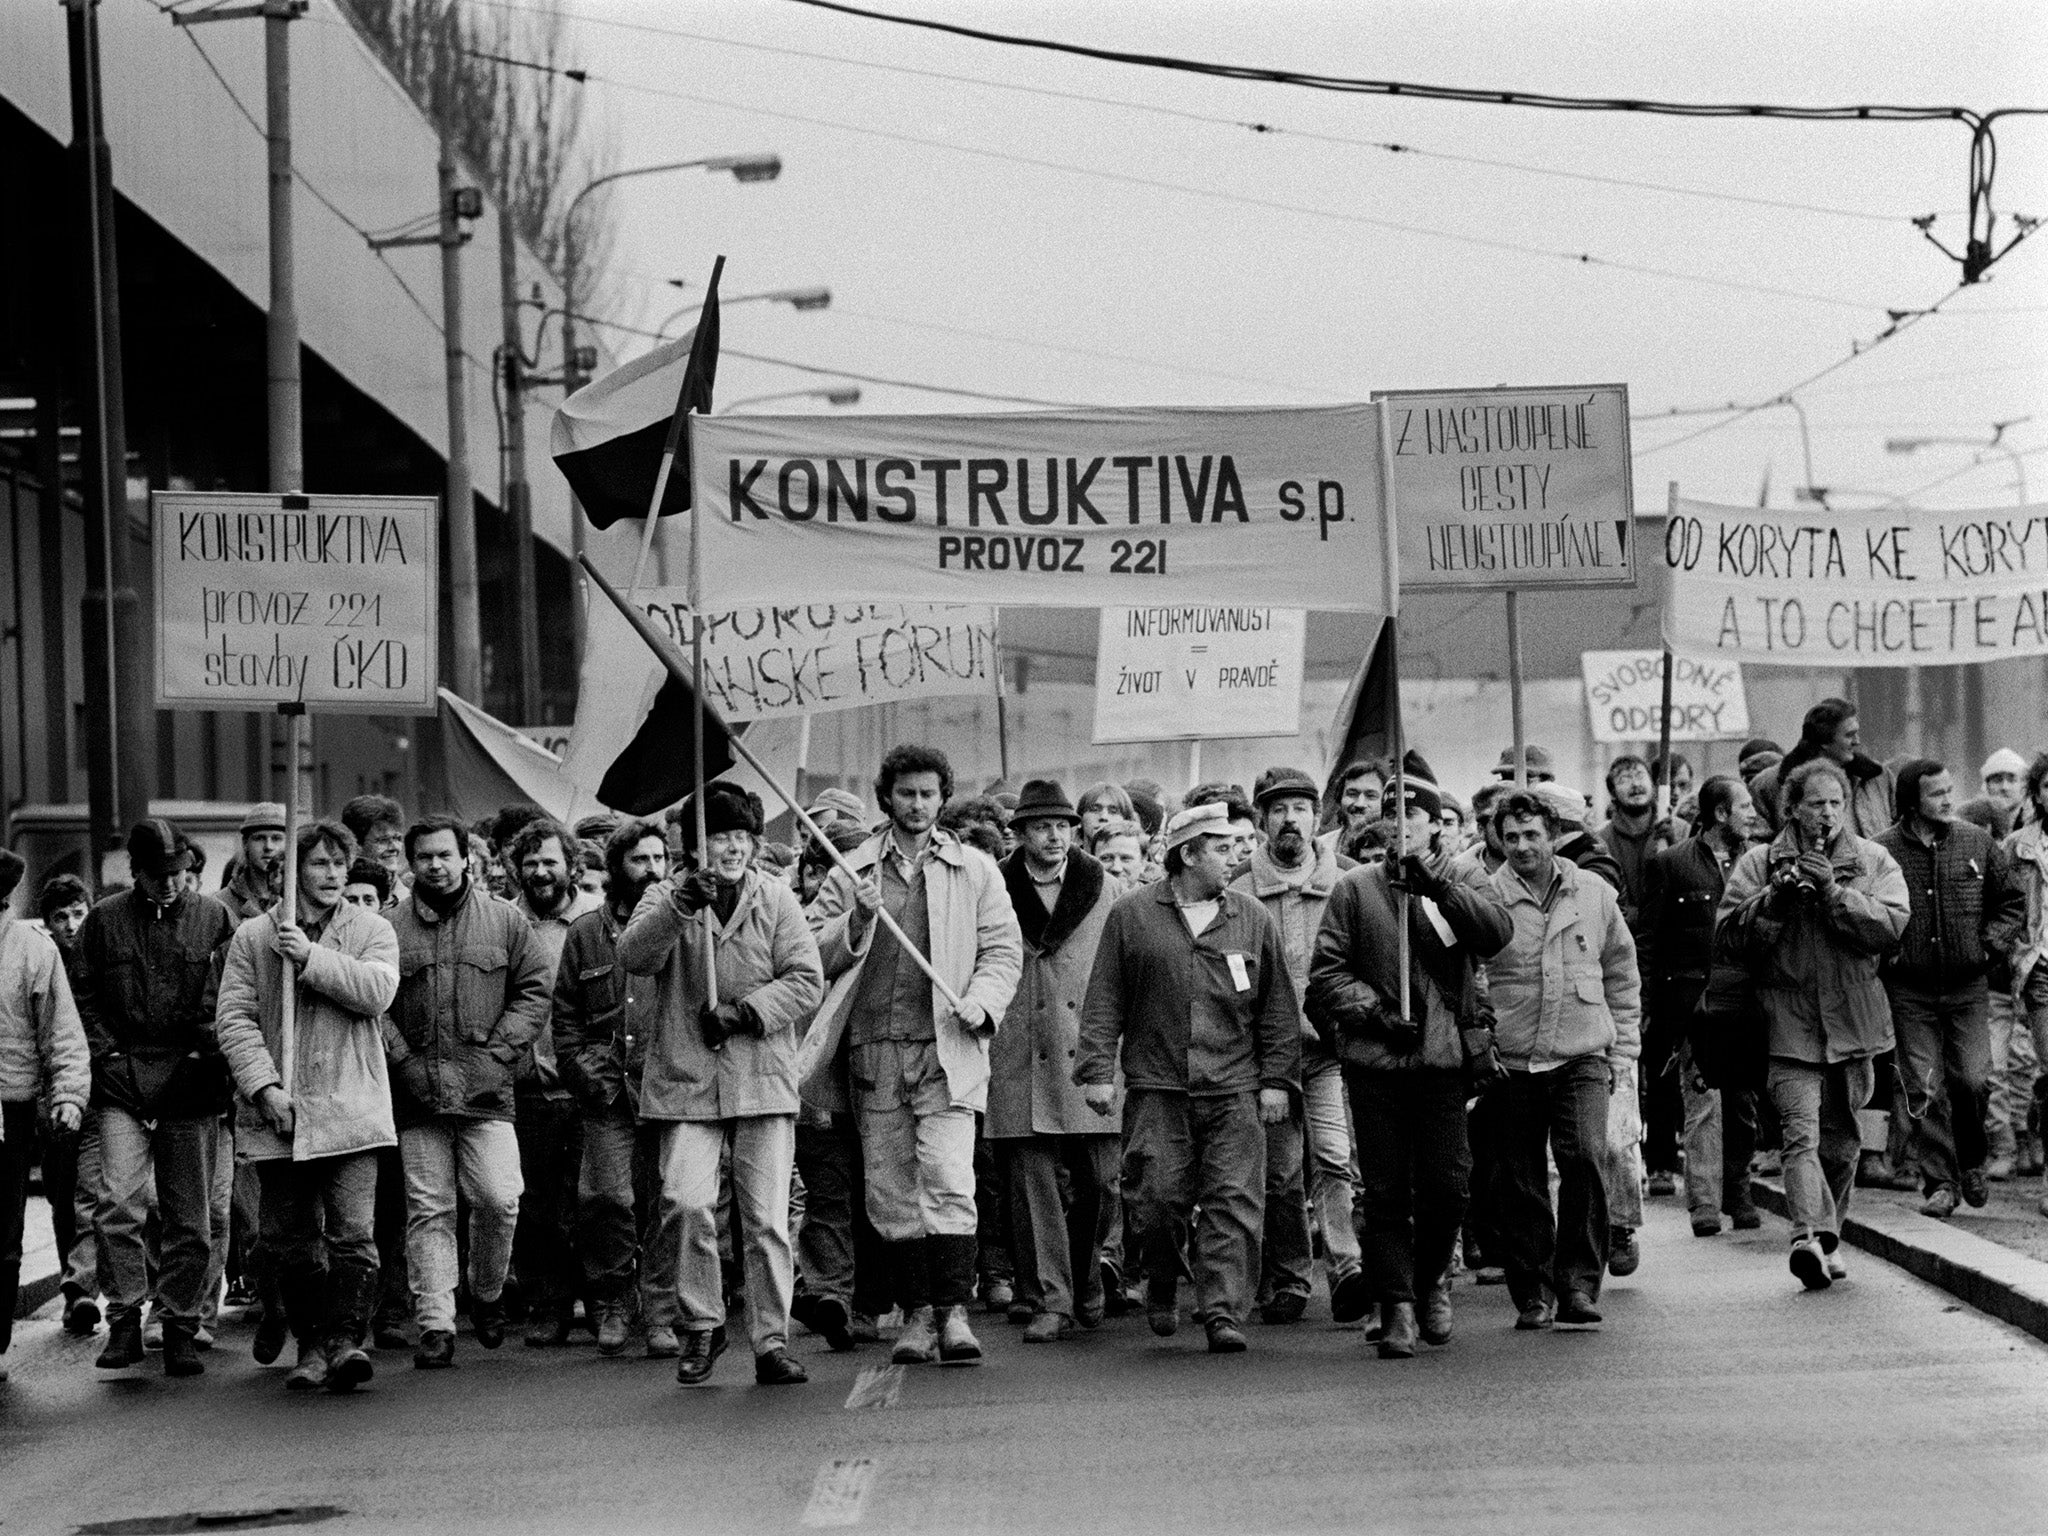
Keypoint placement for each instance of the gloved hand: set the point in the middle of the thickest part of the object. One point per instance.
(694, 890)
(1817, 869)
(1482, 1059)
(1404, 1035)
(720, 1022)
(1422, 877)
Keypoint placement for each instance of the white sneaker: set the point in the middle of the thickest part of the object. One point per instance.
(1811, 1265)
(153, 1333)
(1837, 1270)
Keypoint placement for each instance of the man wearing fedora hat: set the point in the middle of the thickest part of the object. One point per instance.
(1191, 988)
(146, 994)
(1037, 1118)
(1292, 875)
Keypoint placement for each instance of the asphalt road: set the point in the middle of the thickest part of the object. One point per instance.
(1717, 1398)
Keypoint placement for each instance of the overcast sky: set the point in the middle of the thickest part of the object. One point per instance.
(998, 240)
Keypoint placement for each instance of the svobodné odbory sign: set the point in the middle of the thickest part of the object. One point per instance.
(1071, 509)
(264, 599)
(1512, 489)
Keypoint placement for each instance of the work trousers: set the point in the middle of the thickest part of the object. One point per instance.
(1720, 1140)
(1181, 1153)
(544, 1261)
(1660, 1096)
(85, 1255)
(175, 1160)
(1286, 1257)
(838, 1252)
(2014, 1066)
(319, 1230)
(480, 1159)
(220, 1220)
(17, 1151)
(1416, 1166)
(394, 1290)
(1332, 1191)
(622, 1231)
(1817, 1108)
(763, 1151)
(1562, 1112)
(1484, 1122)
(1944, 1065)
(917, 1145)
(1058, 1236)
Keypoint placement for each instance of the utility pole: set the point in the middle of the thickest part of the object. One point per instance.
(120, 723)
(458, 203)
(518, 501)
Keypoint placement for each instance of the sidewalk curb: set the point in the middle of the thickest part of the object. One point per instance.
(34, 1293)
(1995, 1280)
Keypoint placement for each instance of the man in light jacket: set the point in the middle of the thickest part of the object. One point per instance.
(722, 1073)
(314, 1140)
(43, 1059)
(473, 992)
(1037, 1118)
(918, 1063)
(1810, 915)
(1567, 1016)
(1191, 990)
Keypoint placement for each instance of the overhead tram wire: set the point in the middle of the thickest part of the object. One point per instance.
(1181, 114)
(1977, 257)
(1123, 178)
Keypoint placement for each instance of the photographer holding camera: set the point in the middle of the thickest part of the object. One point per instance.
(1811, 914)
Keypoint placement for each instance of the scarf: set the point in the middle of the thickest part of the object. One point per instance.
(438, 903)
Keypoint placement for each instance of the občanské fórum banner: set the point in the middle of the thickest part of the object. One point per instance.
(1068, 509)
(1893, 587)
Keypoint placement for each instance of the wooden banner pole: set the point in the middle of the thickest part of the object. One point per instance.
(1396, 745)
(294, 714)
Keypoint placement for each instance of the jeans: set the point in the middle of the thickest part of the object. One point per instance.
(1564, 1111)
(763, 1158)
(1331, 1158)
(838, 1252)
(85, 1260)
(2014, 1067)
(1416, 1167)
(1622, 1167)
(1944, 1064)
(220, 1219)
(481, 1159)
(1286, 1258)
(1720, 1139)
(319, 1221)
(1817, 1108)
(1660, 1097)
(917, 1145)
(550, 1134)
(177, 1158)
(1058, 1239)
(17, 1150)
(1182, 1154)
(622, 1231)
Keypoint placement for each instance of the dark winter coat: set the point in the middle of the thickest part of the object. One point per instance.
(148, 983)
(1031, 1089)
(604, 1016)
(1968, 911)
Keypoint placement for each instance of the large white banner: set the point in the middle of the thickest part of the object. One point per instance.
(262, 600)
(1512, 488)
(1625, 696)
(1830, 587)
(1076, 509)
(1194, 674)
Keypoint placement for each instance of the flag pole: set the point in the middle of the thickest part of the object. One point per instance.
(294, 712)
(1664, 721)
(1397, 747)
(697, 736)
(678, 668)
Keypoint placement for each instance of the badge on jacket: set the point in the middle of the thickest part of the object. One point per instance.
(1239, 976)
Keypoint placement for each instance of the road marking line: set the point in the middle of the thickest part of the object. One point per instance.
(839, 1492)
(877, 1387)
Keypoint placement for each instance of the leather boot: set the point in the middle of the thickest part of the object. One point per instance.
(181, 1352)
(124, 1344)
(348, 1364)
(1398, 1342)
(918, 1343)
(1436, 1313)
(957, 1343)
(310, 1374)
(952, 1257)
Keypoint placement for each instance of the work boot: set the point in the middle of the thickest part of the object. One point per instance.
(863, 1329)
(1048, 1328)
(181, 1353)
(1535, 1315)
(548, 1327)
(611, 1330)
(1285, 1307)
(918, 1343)
(1350, 1297)
(1975, 1190)
(830, 1322)
(1162, 1307)
(1225, 1337)
(1398, 1341)
(1577, 1310)
(957, 1343)
(310, 1374)
(662, 1343)
(348, 1365)
(1436, 1313)
(1941, 1202)
(1746, 1218)
(81, 1316)
(1706, 1223)
(271, 1332)
(435, 1351)
(1623, 1256)
(778, 1368)
(1661, 1184)
(997, 1294)
(124, 1344)
(701, 1349)
(487, 1320)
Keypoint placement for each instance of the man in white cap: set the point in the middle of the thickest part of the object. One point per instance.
(1191, 985)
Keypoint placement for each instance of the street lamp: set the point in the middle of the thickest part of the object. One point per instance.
(837, 394)
(744, 168)
(795, 298)
(1997, 443)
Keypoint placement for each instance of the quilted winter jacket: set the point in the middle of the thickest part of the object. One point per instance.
(473, 992)
(147, 986)
(1815, 960)
(1566, 985)
(43, 1053)
(340, 1088)
(604, 1016)
(1968, 911)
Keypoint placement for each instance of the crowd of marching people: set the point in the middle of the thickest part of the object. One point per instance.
(1055, 1060)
